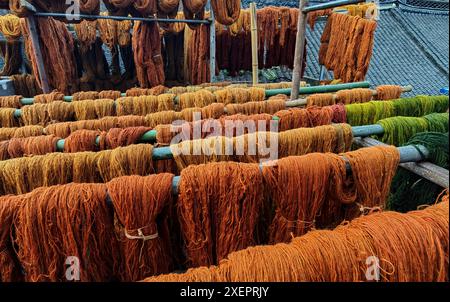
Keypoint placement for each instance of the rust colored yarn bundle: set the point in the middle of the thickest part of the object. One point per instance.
(20, 147)
(21, 132)
(240, 95)
(117, 137)
(144, 105)
(168, 7)
(157, 90)
(278, 41)
(347, 45)
(49, 97)
(359, 95)
(86, 32)
(57, 46)
(61, 6)
(270, 107)
(226, 12)
(299, 187)
(410, 248)
(10, 52)
(339, 114)
(142, 206)
(321, 100)
(23, 175)
(25, 85)
(7, 118)
(82, 141)
(9, 265)
(63, 130)
(144, 8)
(304, 118)
(93, 109)
(325, 194)
(201, 98)
(388, 92)
(147, 54)
(325, 139)
(335, 138)
(194, 10)
(43, 114)
(85, 95)
(196, 54)
(313, 16)
(10, 101)
(91, 140)
(204, 214)
(213, 127)
(83, 228)
(109, 94)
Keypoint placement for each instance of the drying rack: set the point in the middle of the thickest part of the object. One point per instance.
(34, 13)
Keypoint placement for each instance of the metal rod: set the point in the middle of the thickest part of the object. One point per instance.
(254, 39)
(120, 18)
(269, 93)
(299, 50)
(318, 89)
(330, 4)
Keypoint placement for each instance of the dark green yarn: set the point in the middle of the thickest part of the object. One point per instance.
(410, 191)
(398, 130)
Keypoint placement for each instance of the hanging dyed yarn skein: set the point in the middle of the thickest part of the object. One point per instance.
(147, 54)
(226, 12)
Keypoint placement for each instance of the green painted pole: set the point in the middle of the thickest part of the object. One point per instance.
(269, 93)
(319, 89)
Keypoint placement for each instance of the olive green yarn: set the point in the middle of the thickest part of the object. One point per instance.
(398, 130)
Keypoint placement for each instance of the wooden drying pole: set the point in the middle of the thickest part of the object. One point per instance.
(31, 23)
(212, 44)
(301, 36)
(254, 31)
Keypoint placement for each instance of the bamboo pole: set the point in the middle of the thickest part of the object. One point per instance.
(254, 32)
(299, 50)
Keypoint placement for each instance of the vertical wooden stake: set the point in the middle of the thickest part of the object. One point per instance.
(254, 31)
(38, 54)
(212, 45)
(299, 50)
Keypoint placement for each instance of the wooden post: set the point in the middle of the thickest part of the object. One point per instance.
(254, 31)
(299, 50)
(212, 45)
